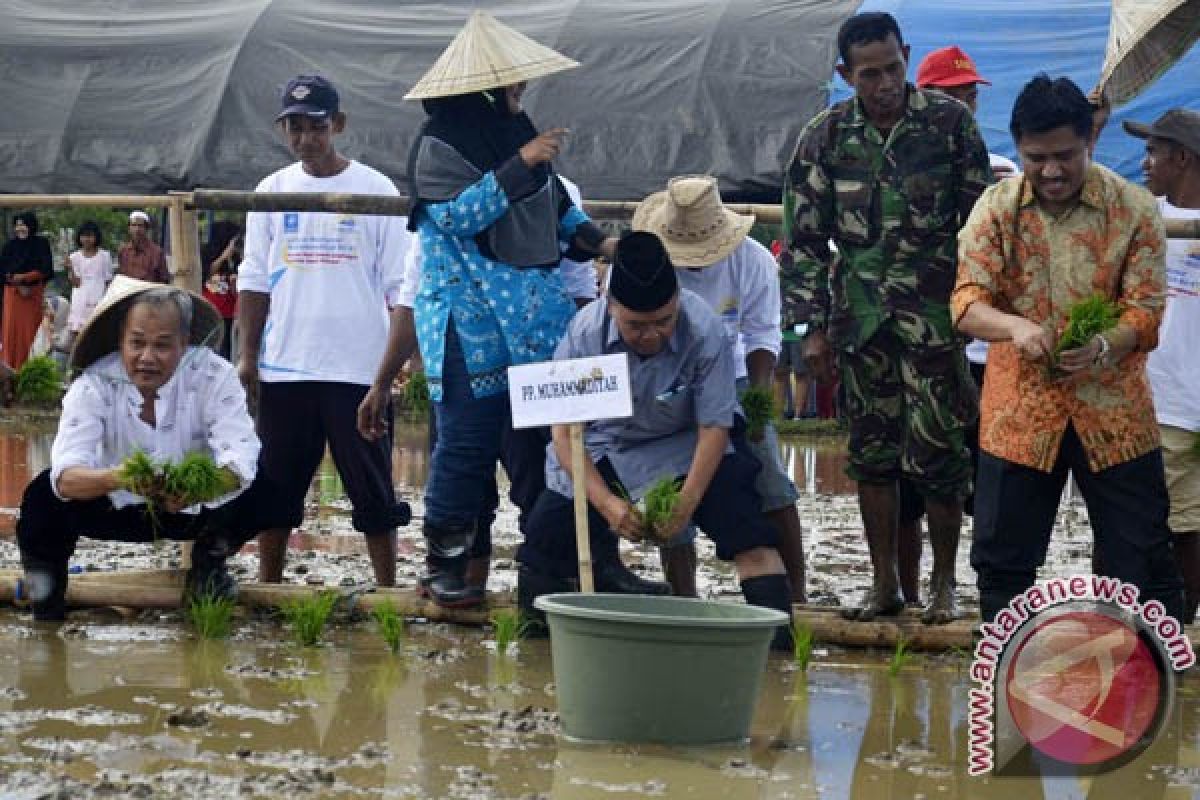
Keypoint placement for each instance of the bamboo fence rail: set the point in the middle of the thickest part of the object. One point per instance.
(387, 205)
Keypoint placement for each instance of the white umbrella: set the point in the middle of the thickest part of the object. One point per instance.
(1145, 38)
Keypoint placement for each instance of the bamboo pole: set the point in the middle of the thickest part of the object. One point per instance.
(583, 543)
(189, 272)
(387, 205)
(227, 200)
(84, 201)
(164, 589)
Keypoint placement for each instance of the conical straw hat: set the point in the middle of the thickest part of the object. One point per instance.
(101, 334)
(487, 54)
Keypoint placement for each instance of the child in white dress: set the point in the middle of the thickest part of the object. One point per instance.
(90, 269)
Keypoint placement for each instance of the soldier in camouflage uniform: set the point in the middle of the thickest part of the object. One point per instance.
(889, 175)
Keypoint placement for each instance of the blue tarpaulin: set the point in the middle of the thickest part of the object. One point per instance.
(1011, 41)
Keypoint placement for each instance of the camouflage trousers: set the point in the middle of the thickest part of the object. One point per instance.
(909, 409)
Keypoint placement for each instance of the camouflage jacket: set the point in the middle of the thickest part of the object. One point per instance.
(893, 208)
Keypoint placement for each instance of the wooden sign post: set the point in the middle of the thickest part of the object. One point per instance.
(573, 393)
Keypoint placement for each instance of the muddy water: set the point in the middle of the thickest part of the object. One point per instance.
(101, 709)
(91, 712)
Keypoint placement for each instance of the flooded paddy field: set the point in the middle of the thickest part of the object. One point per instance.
(118, 706)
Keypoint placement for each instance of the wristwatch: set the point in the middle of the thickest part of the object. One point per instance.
(1101, 358)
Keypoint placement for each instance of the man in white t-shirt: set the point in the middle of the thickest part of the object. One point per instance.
(321, 331)
(739, 280)
(1172, 170)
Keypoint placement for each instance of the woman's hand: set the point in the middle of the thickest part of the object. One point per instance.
(544, 148)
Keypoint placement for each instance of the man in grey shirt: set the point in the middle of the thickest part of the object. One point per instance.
(686, 423)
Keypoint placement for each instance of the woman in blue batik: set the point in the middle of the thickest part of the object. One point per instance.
(492, 219)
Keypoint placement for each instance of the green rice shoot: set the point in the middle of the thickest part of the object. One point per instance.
(802, 645)
(210, 616)
(140, 474)
(758, 404)
(38, 382)
(416, 393)
(391, 625)
(307, 616)
(900, 659)
(508, 626)
(1087, 318)
(657, 506)
(197, 479)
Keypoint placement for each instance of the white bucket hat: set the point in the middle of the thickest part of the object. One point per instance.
(696, 227)
(487, 54)
(101, 334)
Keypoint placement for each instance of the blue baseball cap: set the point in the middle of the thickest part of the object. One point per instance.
(310, 95)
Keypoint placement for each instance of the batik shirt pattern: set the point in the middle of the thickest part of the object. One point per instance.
(1022, 260)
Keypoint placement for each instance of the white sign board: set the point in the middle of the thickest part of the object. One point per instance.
(577, 390)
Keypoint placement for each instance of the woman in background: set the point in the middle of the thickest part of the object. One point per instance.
(222, 255)
(26, 264)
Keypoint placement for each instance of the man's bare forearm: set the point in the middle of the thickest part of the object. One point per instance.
(760, 368)
(711, 442)
(987, 323)
(401, 344)
(87, 483)
(252, 318)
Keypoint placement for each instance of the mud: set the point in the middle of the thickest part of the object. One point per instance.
(106, 706)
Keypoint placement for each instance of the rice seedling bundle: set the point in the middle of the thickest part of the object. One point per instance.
(1087, 318)
(197, 479)
(38, 382)
(391, 625)
(657, 505)
(307, 616)
(758, 404)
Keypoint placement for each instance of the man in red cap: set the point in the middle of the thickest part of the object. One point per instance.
(952, 72)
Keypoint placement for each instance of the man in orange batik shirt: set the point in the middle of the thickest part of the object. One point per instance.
(1034, 246)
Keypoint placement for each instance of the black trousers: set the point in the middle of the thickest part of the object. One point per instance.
(49, 528)
(730, 513)
(1127, 504)
(295, 421)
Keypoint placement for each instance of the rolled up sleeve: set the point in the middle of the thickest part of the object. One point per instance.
(80, 429)
(1143, 281)
(980, 259)
(230, 429)
(760, 314)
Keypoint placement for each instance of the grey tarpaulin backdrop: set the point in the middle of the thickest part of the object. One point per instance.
(120, 96)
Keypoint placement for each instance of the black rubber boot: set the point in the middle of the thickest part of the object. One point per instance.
(45, 586)
(615, 577)
(772, 591)
(532, 584)
(446, 562)
(208, 577)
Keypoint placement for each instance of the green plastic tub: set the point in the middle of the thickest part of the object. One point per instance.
(671, 670)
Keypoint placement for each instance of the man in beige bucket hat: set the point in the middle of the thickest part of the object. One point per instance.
(739, 279)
